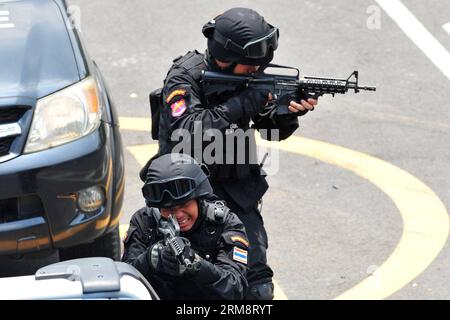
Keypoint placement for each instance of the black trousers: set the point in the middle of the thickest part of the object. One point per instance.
(245, 193)
(259, 271)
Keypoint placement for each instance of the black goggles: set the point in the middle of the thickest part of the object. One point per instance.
(255, 49)
(176, 189)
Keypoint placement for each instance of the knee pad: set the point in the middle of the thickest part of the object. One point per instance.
(260, 291)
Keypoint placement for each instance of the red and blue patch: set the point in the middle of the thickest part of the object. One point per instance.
(240, 255)
(178, 107)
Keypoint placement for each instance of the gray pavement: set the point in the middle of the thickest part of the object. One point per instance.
(323, 239)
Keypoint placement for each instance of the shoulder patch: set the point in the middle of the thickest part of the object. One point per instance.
(240, 240)
(178, 108)
(240, 255)
(174, 93)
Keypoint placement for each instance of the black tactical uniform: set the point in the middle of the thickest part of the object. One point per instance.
(215, 235)
(184, 106)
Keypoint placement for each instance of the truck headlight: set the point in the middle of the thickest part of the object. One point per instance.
(90, 199)
(65, 116)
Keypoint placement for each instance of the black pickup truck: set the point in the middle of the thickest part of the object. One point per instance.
(61, 157)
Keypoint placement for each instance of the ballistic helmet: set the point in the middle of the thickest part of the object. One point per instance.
(174, 179)
(242, 36)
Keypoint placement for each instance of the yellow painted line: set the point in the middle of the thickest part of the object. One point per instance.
(123, 228)
(278, 293)
(135, 124)
(143, 153)
(425, 218)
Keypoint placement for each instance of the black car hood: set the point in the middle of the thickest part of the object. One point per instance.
(36, 55)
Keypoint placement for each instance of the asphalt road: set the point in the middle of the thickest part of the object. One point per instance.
(328, 228)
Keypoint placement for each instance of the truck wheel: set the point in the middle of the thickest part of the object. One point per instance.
(108, 245)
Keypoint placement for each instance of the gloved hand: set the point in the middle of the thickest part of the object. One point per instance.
(163, 260)
(253, 101)
(203, 271)
(248, 102)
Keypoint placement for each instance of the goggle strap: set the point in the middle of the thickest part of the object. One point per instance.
(228, 43)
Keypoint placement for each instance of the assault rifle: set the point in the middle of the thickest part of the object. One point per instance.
(180, 246)
(284, 88)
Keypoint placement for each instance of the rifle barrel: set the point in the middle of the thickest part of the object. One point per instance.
(368, 88)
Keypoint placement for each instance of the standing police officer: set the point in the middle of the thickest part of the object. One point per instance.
(215, 238)
(240, 41)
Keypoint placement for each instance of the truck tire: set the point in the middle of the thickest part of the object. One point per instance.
(108, 245)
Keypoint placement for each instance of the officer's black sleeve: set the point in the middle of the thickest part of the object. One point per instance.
(137, 243)
(269, 120)
(183, 105)
(224, 278)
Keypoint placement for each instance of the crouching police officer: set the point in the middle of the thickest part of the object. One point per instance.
(214, 259)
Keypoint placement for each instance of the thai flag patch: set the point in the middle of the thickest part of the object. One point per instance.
(240, 255)
(178, 108)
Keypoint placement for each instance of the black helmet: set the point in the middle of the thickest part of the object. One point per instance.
(241, 35)
(174, 179)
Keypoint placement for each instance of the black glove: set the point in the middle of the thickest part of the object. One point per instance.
(163, 260)
(250, 102)
(203, 271)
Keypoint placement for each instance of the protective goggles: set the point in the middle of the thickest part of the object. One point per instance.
(254, 49)
(177, 189)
